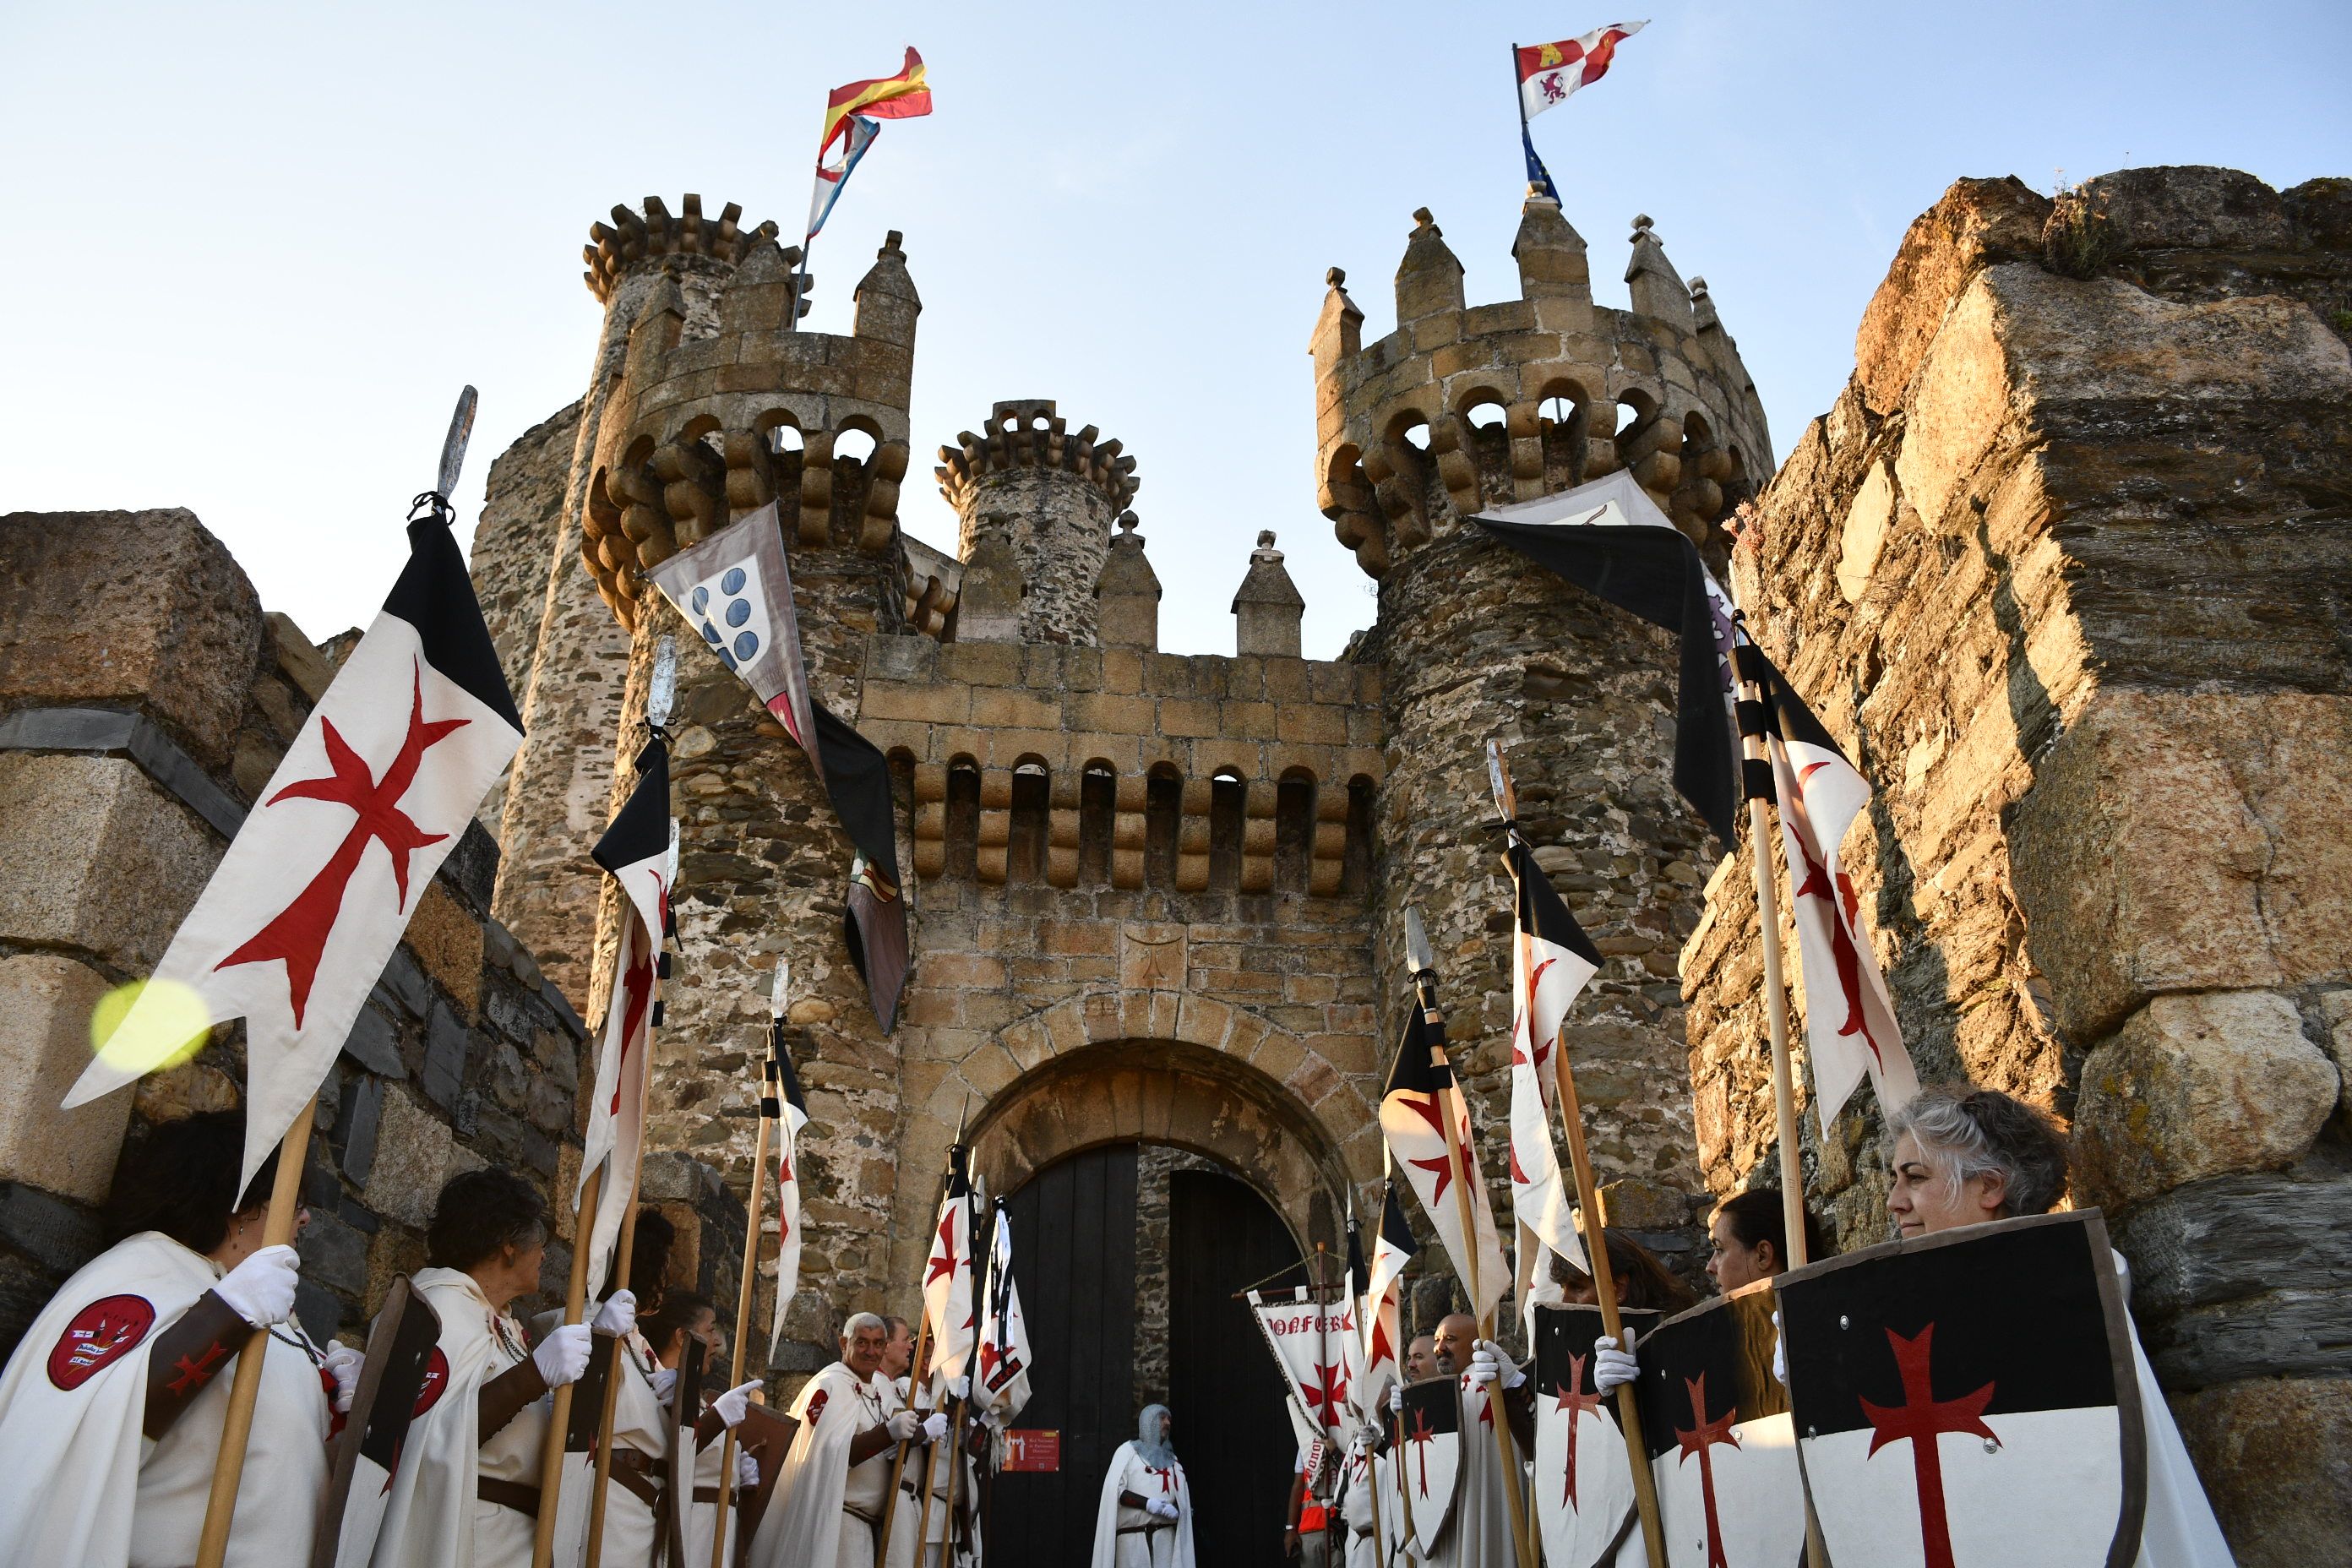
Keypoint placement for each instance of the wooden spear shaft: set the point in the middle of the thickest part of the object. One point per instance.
(1775, 1002)
(277, 1227)
(559, 1420)
(744, 1291)
(1604, 1288)
(1504, 1452)
(624, 1254)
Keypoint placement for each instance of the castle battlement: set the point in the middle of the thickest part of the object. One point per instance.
(1464, 407)
(635, 236)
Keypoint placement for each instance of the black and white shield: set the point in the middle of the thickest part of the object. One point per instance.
(1584, 1473)
(403, 1377)
(1969, 1398)
(1715, 1422)
(1430, 1453)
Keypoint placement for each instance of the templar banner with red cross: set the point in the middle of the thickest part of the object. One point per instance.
(1716, 1423)
(634, 851)
(1584, 1478)
(947, 1299)
(305, 909)
(1412, 1110)
(1319, 1347)
(1970, 1398)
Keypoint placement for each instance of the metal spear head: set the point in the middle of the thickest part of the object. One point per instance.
(661, 695)
(1417, 951)
(672, 869)
(780, 998)
(1498, 779)
(453, 446)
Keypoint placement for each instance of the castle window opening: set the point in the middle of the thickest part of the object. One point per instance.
(962, 831)
(1031, 802)
(854, 445)
(1163, 817)
(1098, 820)
(1356, 862)
(1294, 830)
(1228, 800)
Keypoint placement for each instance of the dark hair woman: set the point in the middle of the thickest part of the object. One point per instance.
(1640, 1279)
(1747, 1238)
(112, 1409)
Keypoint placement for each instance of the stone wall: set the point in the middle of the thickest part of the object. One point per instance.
(2063, 571)
(1051, 497)
(144, 699)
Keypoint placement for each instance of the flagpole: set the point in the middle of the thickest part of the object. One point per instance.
(623, 1255)
(984, 1268)
(771, 1111)
(1758, 761)
(1424, 985)
(236, 1428)
(551, 1447)
(922, 1344)
(1587, 1203)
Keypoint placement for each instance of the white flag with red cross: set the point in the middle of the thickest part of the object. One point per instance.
(1319, 1348)
(1549, 73)
(783, 1103)
(1383, 1325)
(947, 1300)
(305, 909)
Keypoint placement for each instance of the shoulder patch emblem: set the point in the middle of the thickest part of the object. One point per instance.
(110, 1327)
(817, 1405)
(436, 1383)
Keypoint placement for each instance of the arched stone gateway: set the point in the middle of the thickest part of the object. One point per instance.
(1177, 1093)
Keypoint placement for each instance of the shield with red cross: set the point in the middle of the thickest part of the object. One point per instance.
(1715, 1422)
(1969, 1398)
(1584, 1478)
(403, 1376)
(1429, 1447)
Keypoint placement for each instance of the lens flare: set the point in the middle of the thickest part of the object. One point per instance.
(149, 1024)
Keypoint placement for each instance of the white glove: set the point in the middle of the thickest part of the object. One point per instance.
(904, 1425)
(563, 1356)
(1160, 1507)
(261, 1289)
(618, 1316)
(665, 1382)
(1612, 1367)
(747, 1472)
(1780, 1351)
(732, 1404)
(935, 1427)
(343, 1363)
(1396, 1398)
(1512, 1375)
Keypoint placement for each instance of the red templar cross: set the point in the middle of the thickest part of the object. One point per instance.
(197, 1371)
(1702, 1436)
(1840, 906)
(943, 1256)
(1576, 1401)
(1327, 1392)
(1921, 1419)
(298, 936)
(1420, 1435)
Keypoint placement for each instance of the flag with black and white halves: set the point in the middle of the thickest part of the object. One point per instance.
(1610, 539)
(1551, 962)
(735, 589)
(1850, 1027)
(305, 909)
(634, 851)
(1393, 1249)
(1000, 1384)
(788, 1107)
(1412, 1110)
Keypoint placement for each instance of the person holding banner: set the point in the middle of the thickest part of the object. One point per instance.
(1145, 1517)
(112, 1409)
(1962, 1156)
(826, 1510)
(640, 1421)
(466, 1494)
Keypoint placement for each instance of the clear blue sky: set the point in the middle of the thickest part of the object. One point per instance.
(253, 250)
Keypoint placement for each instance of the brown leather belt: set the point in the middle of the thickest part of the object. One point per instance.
(523, 1500)
(1144, 1529)
(639, 1474)
(706, 1494)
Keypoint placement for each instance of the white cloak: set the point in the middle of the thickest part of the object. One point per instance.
(433, 1518)
(74, 1398)
(1480, 1534)
(2179, 1530)
(1170, 1548)
(707, 1461)
(807, 1524)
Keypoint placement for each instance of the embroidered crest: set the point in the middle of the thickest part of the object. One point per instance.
(436, 1380)
(815, 1407)
(108, 1328)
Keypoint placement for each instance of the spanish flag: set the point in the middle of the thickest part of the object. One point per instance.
(901, 97)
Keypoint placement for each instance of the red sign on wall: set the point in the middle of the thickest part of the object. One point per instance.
(1036, 1449)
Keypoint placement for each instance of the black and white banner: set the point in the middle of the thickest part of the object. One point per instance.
(1551, 962)
(305, 909)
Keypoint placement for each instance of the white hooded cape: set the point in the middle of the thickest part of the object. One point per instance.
(428, 1521)
(1107, 1536)
(803, 1525)
(78, 1482)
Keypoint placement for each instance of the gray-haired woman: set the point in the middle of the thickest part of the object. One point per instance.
(1962, 1156)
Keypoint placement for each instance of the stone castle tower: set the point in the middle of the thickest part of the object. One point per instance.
(1153, 899)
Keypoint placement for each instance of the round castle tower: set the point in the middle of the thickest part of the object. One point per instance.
(1465, 407)
(1050, 498)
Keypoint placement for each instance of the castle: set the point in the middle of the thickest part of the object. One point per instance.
(2063, 569)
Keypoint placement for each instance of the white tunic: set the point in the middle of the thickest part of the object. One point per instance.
(640, 1424)
(1125, 1536)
